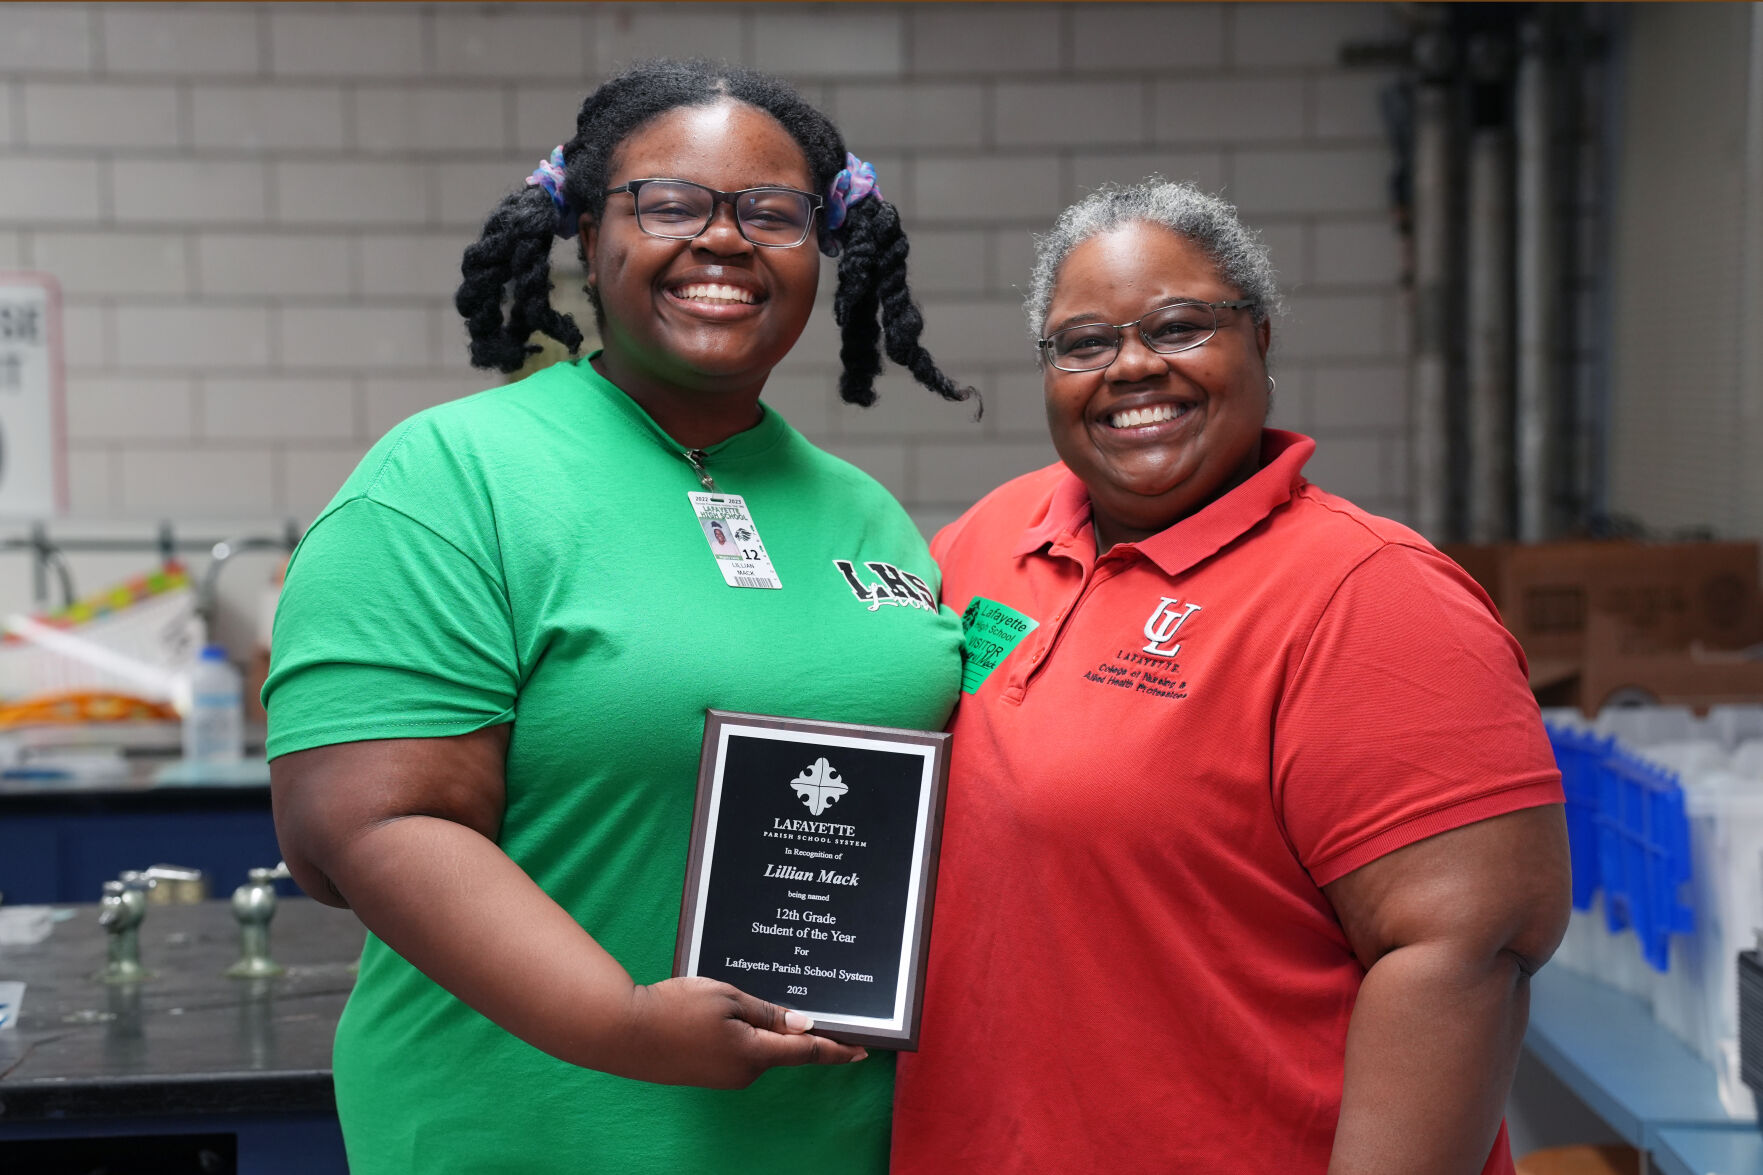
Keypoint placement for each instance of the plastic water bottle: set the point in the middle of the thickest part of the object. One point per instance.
(214, 726)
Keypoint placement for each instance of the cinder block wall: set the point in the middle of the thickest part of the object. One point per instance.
(256, 213)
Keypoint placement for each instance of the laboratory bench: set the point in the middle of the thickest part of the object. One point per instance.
(189, 1068)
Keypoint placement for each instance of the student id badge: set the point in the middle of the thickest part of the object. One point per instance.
(734, 540)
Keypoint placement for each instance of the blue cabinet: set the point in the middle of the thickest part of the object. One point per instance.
(60, 842)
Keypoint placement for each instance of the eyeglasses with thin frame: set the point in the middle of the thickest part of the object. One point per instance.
(680, 210)
(1168, 330)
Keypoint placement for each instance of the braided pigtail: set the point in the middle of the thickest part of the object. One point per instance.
(857, 308)
(872, 280)
(505, 296)
(872, 304)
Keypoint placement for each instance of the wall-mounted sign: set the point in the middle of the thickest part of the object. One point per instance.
(33, 434)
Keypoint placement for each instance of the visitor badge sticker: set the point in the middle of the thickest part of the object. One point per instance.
(989, 630)
(734, 540)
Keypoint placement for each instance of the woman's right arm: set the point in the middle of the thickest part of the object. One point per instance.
(403, 831)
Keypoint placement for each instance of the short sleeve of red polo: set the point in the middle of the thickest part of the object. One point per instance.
(1407, 716)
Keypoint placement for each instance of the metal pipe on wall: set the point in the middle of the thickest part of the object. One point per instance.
(1428, 420)
(1489, 295)
(1539, 291)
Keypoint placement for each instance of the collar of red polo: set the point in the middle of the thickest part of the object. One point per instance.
(1198, 536)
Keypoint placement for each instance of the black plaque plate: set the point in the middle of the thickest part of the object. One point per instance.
(813, 867)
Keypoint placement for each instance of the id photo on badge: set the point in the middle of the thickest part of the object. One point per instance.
(720, 532)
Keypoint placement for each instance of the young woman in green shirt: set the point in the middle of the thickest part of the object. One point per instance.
(496, 646)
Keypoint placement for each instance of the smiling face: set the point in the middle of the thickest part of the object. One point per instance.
(1154, 437)
(692, 328)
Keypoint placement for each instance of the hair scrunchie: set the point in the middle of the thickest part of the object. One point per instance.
(549, 175)
(855, 181)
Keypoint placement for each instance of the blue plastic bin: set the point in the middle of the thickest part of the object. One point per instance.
(1580, 755)
(1643, 853)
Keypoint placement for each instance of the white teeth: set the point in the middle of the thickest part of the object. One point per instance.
(712, 292)
(1136, 417)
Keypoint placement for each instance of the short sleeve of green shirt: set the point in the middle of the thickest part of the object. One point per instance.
(401, 635)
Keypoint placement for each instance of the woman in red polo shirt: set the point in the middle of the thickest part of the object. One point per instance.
(1254, 836)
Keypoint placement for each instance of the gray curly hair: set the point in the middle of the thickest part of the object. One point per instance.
(1185, 210)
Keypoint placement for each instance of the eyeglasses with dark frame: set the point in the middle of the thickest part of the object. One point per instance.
(1168, 330)
(680, 210)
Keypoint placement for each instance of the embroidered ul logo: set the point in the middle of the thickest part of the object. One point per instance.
(1164, 623)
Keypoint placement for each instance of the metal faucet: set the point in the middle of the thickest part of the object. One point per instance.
(120, 912)
(176, 885)
(254, 906)
(208, 588)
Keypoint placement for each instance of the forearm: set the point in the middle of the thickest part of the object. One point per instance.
(1431, 1049)
(456, 907)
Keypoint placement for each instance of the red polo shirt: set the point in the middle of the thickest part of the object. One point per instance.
(1164, 753)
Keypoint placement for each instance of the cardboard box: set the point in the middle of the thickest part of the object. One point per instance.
(1622, 668)
(1666, 596)
(1629, 620)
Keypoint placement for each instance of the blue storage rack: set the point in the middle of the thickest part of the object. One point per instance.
(1579, 755)
(1628, 837)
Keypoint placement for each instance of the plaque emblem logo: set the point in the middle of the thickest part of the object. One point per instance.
(1164, 623)
(818, 786)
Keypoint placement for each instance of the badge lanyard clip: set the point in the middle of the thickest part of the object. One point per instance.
(696, 457)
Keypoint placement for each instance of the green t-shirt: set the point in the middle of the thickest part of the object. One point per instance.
(530, 555)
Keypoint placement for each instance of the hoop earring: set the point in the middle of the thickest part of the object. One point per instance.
(1270, 385)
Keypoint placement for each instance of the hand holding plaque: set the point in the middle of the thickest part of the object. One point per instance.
(812, 869)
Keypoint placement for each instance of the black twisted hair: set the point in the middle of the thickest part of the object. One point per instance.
(506, 292)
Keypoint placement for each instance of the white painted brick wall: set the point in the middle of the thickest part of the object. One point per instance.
(46, 38)
(830, 40)
(49, 190)
(348, 193)
(156, 482)
(189, 191)
(1002, 187)
(1305, 34)
(192, 337)
(367, 41)
(114, 262)
(1311, 180)
(1044, 113)
(274, 265)
(968, 39)
(907, 115)
(1358, 252)
(96, 114)
(413, 264)
(268, 118)
(130, 408)
(442, 119)
(257, 213)
(1156, 37)
(181, 41)
(1227, 110)
(354, 338)
(632, 32)
(278, 407)
(517, 41)
(310, 476)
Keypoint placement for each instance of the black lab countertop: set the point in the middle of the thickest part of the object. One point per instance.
(188, 1040)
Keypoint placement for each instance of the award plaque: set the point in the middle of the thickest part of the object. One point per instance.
(813, 868)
